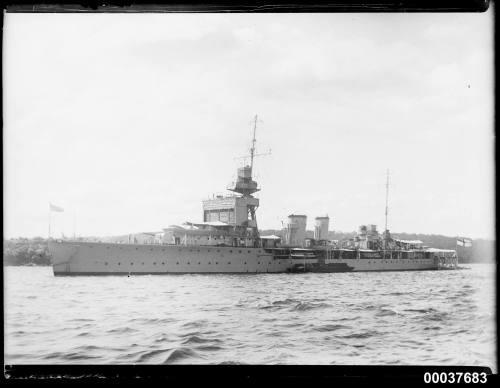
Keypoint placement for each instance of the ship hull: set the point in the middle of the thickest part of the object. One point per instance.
(91, 258)
(75, 258)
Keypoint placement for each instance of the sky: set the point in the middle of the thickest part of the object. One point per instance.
(129, 121)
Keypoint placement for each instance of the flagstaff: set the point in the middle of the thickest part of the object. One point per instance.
(53, 208)
(49, 219)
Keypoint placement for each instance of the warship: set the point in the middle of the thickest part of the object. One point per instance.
(228, 241)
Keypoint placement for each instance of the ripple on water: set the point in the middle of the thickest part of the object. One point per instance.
(384, 312)
(209, 348)
(181, 354)
(438, 316)
(195, 339)
(421, 311)
(305, 306)
(84, 334)
(149, 355)
(361, 335)
(154, 321)
(230, 363)
(432, 328)
(194, 324)
(82, 320)
(70, 356)
(121, 330)
(330, 327)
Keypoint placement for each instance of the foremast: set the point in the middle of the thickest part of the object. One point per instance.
(247, 186)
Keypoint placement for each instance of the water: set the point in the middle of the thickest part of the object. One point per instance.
(405, 318)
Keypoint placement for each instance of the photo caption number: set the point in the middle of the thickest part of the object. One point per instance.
(455, 377)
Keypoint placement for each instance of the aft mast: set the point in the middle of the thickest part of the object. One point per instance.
(386, 199)
(386, 236)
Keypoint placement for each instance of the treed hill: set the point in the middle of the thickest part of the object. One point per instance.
(24, 251)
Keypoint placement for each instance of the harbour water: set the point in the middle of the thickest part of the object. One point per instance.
(396, 318)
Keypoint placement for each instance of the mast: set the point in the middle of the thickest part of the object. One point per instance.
(386, 199)
(247, 170)
(246, 186)
(252, 150)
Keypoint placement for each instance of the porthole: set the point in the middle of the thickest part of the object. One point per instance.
(239, 251)
(119, 263)
(106, 263)
(151, 249)
(258, 262)
(177, 263)
(199, 262)
(131, 263)
(208, 250)
(216, 262)
(136, 249)
(245, 262)
(162, 263)
(143, 263)
(154, 263)
(188, 263)
(230, 251)
(249, 251)
(229, 262)
(209, 263)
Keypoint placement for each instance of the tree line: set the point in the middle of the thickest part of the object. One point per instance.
(26, 251)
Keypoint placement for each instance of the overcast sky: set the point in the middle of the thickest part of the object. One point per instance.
(129, 121)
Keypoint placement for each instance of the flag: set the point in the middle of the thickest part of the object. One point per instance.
(464, 242)
(55, 208)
